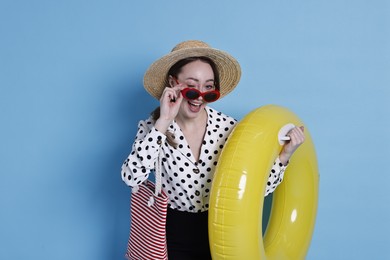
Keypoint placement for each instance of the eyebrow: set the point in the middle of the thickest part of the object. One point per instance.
(194, 79)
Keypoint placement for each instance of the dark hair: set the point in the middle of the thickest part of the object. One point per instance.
(174, 71)
(177, 67)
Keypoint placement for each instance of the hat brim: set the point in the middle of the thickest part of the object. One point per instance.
(155, 78)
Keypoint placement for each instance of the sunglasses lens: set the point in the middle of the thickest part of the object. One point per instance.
(210, 97)
(192, 94)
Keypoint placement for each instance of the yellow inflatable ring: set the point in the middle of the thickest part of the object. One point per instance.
(237, 194)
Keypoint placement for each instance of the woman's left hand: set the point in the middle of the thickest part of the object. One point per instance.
(297, 137)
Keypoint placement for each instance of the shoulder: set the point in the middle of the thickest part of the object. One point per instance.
(215, 115)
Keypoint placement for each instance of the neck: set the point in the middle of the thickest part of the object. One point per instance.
(191, 123)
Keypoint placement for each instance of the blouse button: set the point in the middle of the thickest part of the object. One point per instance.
(159, 142)
(197, 193)
(196, 170)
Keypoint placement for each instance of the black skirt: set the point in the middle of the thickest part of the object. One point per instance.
(187, 235)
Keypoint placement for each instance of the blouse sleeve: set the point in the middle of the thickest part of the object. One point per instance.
(275, 176)
(143, 156)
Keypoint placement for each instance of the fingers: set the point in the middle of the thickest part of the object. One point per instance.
(171, 94)
(297, 135)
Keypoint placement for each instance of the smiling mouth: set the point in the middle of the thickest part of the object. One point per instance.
(194, 104)
(194, 107)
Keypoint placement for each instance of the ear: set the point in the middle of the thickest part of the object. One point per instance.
(171, 81)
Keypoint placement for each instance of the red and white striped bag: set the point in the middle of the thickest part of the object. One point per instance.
(148, 219)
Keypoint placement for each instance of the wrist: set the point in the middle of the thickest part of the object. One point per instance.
(284, 158)
(162, 125)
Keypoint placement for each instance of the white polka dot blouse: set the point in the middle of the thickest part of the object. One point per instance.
(185, 180)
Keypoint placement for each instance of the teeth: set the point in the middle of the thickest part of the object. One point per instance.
(195, 104)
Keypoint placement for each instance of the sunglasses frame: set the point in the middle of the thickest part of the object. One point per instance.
(215, 94)
(199, 94)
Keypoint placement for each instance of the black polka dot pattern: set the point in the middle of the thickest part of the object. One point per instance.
(186, 181)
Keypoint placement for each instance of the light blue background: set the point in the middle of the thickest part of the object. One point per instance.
(71, 96)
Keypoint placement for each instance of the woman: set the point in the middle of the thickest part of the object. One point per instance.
(190, 136)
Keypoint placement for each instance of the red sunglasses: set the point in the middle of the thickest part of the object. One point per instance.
(193, 93)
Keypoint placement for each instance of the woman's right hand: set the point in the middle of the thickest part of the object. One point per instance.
(170, 102)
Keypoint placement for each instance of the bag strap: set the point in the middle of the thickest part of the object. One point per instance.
(157, 186)
(158, 175)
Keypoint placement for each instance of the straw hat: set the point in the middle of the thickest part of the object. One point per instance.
(155, 78)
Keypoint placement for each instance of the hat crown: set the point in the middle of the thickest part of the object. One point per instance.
(190, 44)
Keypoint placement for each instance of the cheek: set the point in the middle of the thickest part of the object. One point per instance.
(183, 104)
